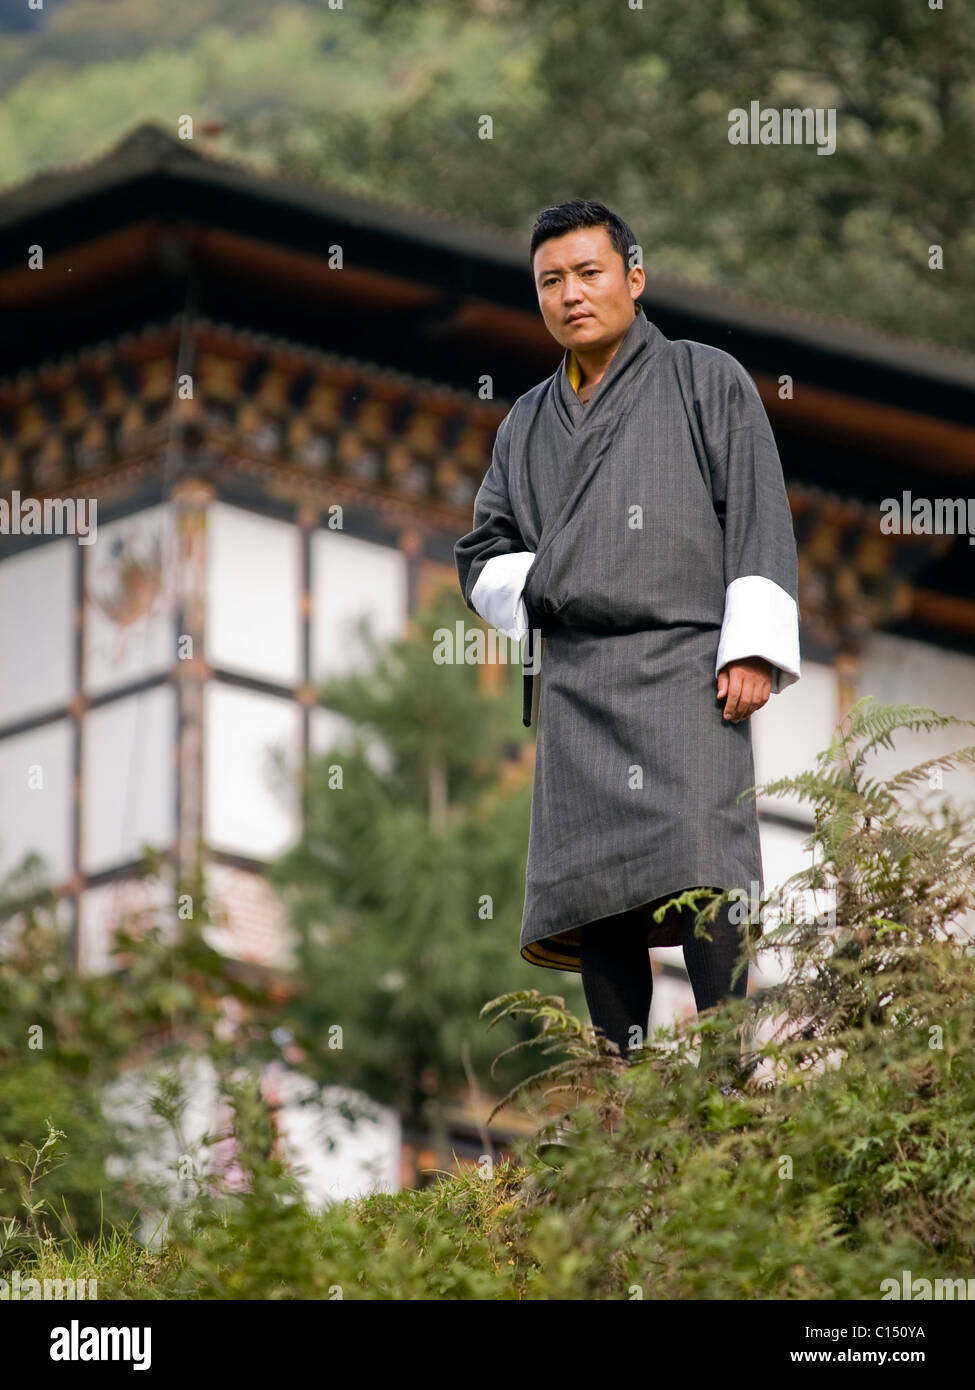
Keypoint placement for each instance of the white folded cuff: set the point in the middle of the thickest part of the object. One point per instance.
(761, 619)
(497, 594)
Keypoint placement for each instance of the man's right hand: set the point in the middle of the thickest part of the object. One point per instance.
(745, 686)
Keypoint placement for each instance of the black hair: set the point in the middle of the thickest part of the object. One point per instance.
(581, 212)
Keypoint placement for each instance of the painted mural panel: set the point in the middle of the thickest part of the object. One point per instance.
(129, 582)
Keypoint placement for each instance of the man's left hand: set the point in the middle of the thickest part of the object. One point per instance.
(747, 684)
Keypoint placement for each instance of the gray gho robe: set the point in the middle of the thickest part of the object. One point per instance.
(647, 538)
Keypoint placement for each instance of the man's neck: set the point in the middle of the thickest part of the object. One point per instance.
(593, 365)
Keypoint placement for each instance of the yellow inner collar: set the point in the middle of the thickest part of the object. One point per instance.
(572, 371)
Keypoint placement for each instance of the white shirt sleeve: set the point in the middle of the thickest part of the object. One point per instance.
(497, 594)
(760, 619)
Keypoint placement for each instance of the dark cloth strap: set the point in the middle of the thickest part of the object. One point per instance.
(529, 679)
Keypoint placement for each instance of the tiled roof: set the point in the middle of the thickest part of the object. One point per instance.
(149, 148)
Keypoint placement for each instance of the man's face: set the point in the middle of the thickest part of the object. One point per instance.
(585, 292)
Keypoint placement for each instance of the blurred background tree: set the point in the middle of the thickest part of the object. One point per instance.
(405, 893)
(407, 889)
(67, 1036)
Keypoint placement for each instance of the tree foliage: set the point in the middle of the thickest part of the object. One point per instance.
(842, 1156)
(626, 104)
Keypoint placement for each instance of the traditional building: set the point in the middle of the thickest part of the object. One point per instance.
(355, 353)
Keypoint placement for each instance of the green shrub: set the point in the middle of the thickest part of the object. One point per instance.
(804, 1143)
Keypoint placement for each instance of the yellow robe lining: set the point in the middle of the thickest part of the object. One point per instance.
(572, 369)
(572, 372)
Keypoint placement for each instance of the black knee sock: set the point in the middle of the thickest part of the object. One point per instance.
(710, 963)
(616, 977)
(618, 982)
(709, 966)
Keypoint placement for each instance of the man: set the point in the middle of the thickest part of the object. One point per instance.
(635, 515)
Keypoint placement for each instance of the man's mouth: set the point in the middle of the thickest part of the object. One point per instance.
(575, 318)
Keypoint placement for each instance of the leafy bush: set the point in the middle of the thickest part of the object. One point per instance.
(838, 1155)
